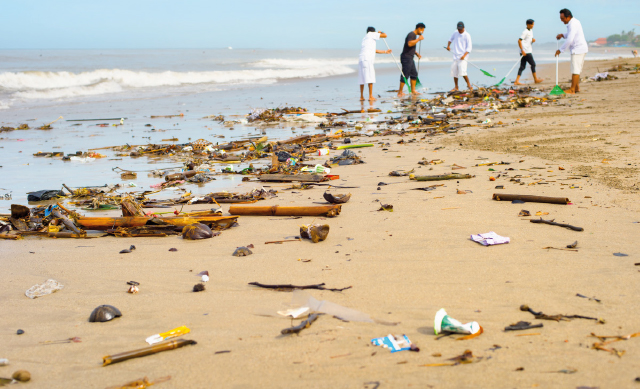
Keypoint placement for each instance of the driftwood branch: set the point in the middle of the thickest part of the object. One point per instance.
(301, 326)
(288, 287)
(551, 222)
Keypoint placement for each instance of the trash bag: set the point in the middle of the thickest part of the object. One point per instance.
(43, 195)
(283, 156)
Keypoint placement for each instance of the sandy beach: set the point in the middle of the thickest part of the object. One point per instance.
(403, 267)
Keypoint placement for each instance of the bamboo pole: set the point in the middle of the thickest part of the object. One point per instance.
(531, 199)
(276, 210)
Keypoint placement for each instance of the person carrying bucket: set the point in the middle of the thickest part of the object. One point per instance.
(526, 42)
(460, 45)
(366, 71)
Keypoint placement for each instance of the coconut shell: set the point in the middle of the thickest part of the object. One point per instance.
(104, 313)
(336, 198)
(196, 231)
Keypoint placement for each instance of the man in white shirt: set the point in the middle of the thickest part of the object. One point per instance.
(574, 40)
(526, 42)
(366, 72)
(460, 46)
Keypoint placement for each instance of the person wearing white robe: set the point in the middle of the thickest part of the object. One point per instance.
(366, 71)
(576, 42)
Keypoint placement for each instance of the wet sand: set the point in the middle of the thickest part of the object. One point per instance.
(403, 266)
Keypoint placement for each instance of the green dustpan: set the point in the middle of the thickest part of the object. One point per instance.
(556, 91)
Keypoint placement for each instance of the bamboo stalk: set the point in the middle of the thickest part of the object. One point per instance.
(531, 199)
(276, 210)
(442, 177)
(143, 352)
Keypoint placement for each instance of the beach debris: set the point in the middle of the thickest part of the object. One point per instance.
(197, 231)
(336, 198)
(126, 251)
(428, 188)
(620, 254)
(4, 362)
(104, 313)
(522, 325)
(68, 340)
(490, 239)
(572, 245)
(386, 207)
(315, 232)
(20, 332)
(442, 177)
(133, 289)
(295, 312)
(530, 199)
(173, 249)
(291, 178)
(43, 195)
(564, 371)
(301, 299)
(21, 375)
(524, 213)
(157, 338)
(39, 290)
(289, 287)
(394, 343)
(353, 146)
(199, 288)
(604, 342)
(401, 173)
(143, 352)
(465, 358)
(551, 222)
(304, 324)
(444, 323)
(141, 383)
(276, 210)
(560, 317)
(242, 252)
(347, 157)
(588, 298)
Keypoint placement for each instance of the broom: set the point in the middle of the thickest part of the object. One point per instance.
(399, 68)
(505, 77)
(556, 91)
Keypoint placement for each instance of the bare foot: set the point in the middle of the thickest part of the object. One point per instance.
(570, 92)
(539, 80)
(371, 98)
(454, 90)
(519, 83)
(362, 99)
(415, 93)
(401, 94)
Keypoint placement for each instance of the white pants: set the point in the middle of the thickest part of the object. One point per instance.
(459, 68)
(366, 72)
(577, 60)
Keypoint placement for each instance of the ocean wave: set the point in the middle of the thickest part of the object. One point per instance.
(4, 105)
(36, 85)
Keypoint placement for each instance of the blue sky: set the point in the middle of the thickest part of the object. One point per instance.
(284, 24)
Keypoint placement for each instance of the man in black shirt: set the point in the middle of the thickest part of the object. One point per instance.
(406, 58)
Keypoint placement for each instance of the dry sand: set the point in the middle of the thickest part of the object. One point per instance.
(403, 267)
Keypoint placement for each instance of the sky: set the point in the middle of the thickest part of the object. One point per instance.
(285, 24)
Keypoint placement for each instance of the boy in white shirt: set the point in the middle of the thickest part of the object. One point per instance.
(577, 43)
(461, 41)
(525, 42)
(366, 72)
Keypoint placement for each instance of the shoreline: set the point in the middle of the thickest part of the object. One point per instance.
(403, 266)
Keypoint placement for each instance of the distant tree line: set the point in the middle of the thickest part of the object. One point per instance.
(628, 37)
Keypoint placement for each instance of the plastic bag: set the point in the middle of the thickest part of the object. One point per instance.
(48, 287)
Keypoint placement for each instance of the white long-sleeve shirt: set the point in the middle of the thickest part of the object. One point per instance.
(460, 44)
(574, 38)
(368, 49)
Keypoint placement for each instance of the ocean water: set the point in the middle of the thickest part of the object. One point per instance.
(38, 86)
